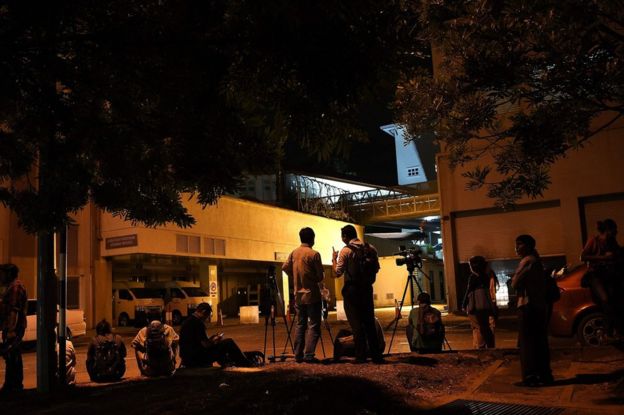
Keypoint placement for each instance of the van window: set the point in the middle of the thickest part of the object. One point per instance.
(141, 293)
(125, 295)
(176, 293)
(195, 292)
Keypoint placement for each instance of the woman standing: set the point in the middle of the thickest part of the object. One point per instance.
(478, 303)
(530, 284)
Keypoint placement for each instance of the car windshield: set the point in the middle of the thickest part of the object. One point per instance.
(142, 293)
(195, 292)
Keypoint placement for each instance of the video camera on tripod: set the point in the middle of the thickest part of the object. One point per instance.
(411, 257)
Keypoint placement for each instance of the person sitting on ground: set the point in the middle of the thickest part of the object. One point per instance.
(156, 349)
(199, 350)
(425, 331)
(70, 359)
(106, 356)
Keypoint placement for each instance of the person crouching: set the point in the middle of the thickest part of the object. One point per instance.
(156, 348)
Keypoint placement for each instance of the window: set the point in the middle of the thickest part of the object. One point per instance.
(413, 171)
(214, 246)
(188, 244)
(125, 295)
(176, 293)
(73, 292)
(195, 292)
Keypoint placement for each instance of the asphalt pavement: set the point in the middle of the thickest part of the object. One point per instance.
(252, 337)
(587, 380)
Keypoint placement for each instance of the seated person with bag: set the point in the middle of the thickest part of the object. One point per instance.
(106, 356)
(199, 350)
(344, 344)
(425, 331)
(156, 348)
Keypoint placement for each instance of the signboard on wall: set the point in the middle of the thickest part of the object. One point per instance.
(281, 256)
(213, 289)
(122, 241)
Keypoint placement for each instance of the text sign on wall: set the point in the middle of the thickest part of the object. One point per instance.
(122, 241)
(281, 256)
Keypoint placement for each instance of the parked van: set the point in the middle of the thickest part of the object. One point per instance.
(181, 298)
(133, 303)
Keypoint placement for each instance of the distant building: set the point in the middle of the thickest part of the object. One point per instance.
(410, 169)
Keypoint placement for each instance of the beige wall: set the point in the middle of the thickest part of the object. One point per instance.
(392, 279)
(252, 231)
(470, 222)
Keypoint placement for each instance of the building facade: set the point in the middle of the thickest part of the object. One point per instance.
(586, 186)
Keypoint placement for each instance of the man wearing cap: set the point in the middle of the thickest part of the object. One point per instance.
(199, 350)
(13, 317)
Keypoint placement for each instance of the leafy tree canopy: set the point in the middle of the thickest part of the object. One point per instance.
(524, 81)
(130, 103)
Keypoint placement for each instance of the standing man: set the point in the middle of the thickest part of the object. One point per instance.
(530, 284)
(306, 269)
(358, 295)
(14, 303)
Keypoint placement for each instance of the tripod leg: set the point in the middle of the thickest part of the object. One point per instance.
(266, 328)
(396, 323)
(288, 332)
(322, 345)
(447, 344)
(328, 327)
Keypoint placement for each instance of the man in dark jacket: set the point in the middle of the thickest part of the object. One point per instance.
(199, 350)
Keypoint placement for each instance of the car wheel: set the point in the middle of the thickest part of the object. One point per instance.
(124, 320)
(176, 318)
(591, 330)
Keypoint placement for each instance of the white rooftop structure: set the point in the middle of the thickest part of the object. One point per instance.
(409, 166)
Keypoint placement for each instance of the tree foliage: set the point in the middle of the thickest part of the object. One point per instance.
(523, 81)
(131, 103)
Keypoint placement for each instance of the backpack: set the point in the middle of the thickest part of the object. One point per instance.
(553, 293)
(367, 263)
(156, 347)
(107, 360)
(432, 323)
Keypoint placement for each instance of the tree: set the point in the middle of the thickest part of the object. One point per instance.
(522, 81)
(131, 103)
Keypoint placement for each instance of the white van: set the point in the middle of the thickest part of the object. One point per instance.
(181, 298)
(135, 304)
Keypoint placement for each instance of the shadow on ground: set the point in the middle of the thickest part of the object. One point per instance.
(218, 392)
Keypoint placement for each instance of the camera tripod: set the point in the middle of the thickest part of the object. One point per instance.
(411, 280)
(324, 321)
(274, 298)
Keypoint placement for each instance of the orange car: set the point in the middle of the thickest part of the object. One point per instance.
(576, 313)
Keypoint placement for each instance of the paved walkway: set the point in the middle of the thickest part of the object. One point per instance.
(587, 381)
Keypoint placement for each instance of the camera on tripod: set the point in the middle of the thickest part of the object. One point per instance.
(411, 257)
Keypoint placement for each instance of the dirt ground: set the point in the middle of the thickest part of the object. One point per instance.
(407, 383)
